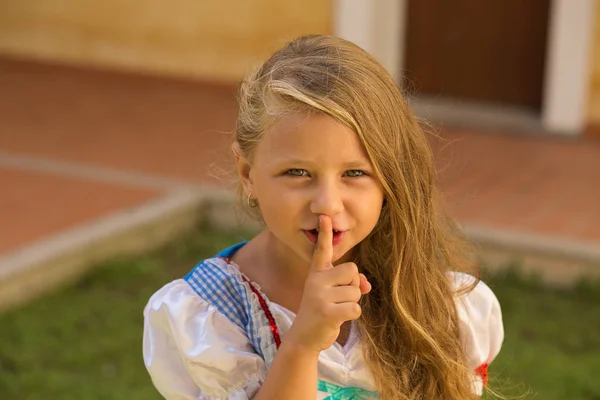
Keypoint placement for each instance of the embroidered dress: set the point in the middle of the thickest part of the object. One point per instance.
(214, 335)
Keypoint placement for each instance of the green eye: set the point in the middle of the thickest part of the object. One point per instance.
(354, 173)
(296, 172)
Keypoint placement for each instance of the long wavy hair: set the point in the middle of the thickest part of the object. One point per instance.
(409, 326)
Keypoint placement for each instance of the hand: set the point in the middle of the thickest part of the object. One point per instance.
(330, 297)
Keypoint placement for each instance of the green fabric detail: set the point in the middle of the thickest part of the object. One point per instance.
(342, 393)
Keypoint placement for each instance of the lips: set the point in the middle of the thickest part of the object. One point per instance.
(313, 236)
(316, 230)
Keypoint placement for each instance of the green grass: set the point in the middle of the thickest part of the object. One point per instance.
(552, 340)
(84, 342)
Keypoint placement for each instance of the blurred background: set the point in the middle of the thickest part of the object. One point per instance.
(115, 125)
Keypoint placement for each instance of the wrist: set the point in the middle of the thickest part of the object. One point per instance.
(293, 375)
(297, 349)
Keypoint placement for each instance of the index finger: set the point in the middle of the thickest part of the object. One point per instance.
(323, 253)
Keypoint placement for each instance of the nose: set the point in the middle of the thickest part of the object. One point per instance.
(327, 199)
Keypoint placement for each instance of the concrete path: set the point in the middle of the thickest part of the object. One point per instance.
(96, 163)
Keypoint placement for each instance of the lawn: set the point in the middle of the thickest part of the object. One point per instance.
(84, 342)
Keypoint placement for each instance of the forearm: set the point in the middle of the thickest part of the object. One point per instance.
(293, 375)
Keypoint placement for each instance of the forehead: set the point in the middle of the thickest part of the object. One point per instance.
(311, 137)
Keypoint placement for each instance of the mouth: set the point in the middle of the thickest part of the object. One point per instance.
(313, 236)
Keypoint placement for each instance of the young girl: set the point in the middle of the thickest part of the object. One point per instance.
(357, 287)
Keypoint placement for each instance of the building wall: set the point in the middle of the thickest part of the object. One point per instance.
(209, 39)
(594, 90)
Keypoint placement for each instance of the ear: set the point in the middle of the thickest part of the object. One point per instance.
(243, 168)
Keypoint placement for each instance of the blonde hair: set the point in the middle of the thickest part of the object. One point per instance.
(409, 326)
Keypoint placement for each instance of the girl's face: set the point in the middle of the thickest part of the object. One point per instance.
(310, 165)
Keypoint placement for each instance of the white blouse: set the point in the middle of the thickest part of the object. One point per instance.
(193, 351)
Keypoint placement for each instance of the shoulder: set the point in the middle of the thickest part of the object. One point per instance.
(472, 294)
(480, 322)
(192, 347)
(479, 312)
(177, 312)
(212, 288)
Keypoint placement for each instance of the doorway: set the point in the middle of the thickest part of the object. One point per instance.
(491, 52)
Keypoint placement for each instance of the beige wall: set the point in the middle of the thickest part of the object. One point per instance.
(209, 39)
(594, 104)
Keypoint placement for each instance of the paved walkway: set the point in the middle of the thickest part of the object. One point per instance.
(80, 148)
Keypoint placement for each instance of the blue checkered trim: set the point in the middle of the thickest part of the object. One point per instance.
(213, 282)
(227, 294)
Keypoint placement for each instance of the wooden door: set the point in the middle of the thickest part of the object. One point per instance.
(486, 50)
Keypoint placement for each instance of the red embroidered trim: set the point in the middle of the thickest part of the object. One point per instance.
(263, 304)
(482, 371)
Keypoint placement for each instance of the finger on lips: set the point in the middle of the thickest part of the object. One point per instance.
(345, 274)
(323, 253)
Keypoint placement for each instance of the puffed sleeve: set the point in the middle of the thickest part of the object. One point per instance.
(481, 327)
(192, 351)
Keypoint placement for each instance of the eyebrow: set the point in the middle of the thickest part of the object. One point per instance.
(353, 164)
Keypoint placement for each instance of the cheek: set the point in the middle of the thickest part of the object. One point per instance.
(370, 217)
(367, 206)
(279, 203)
